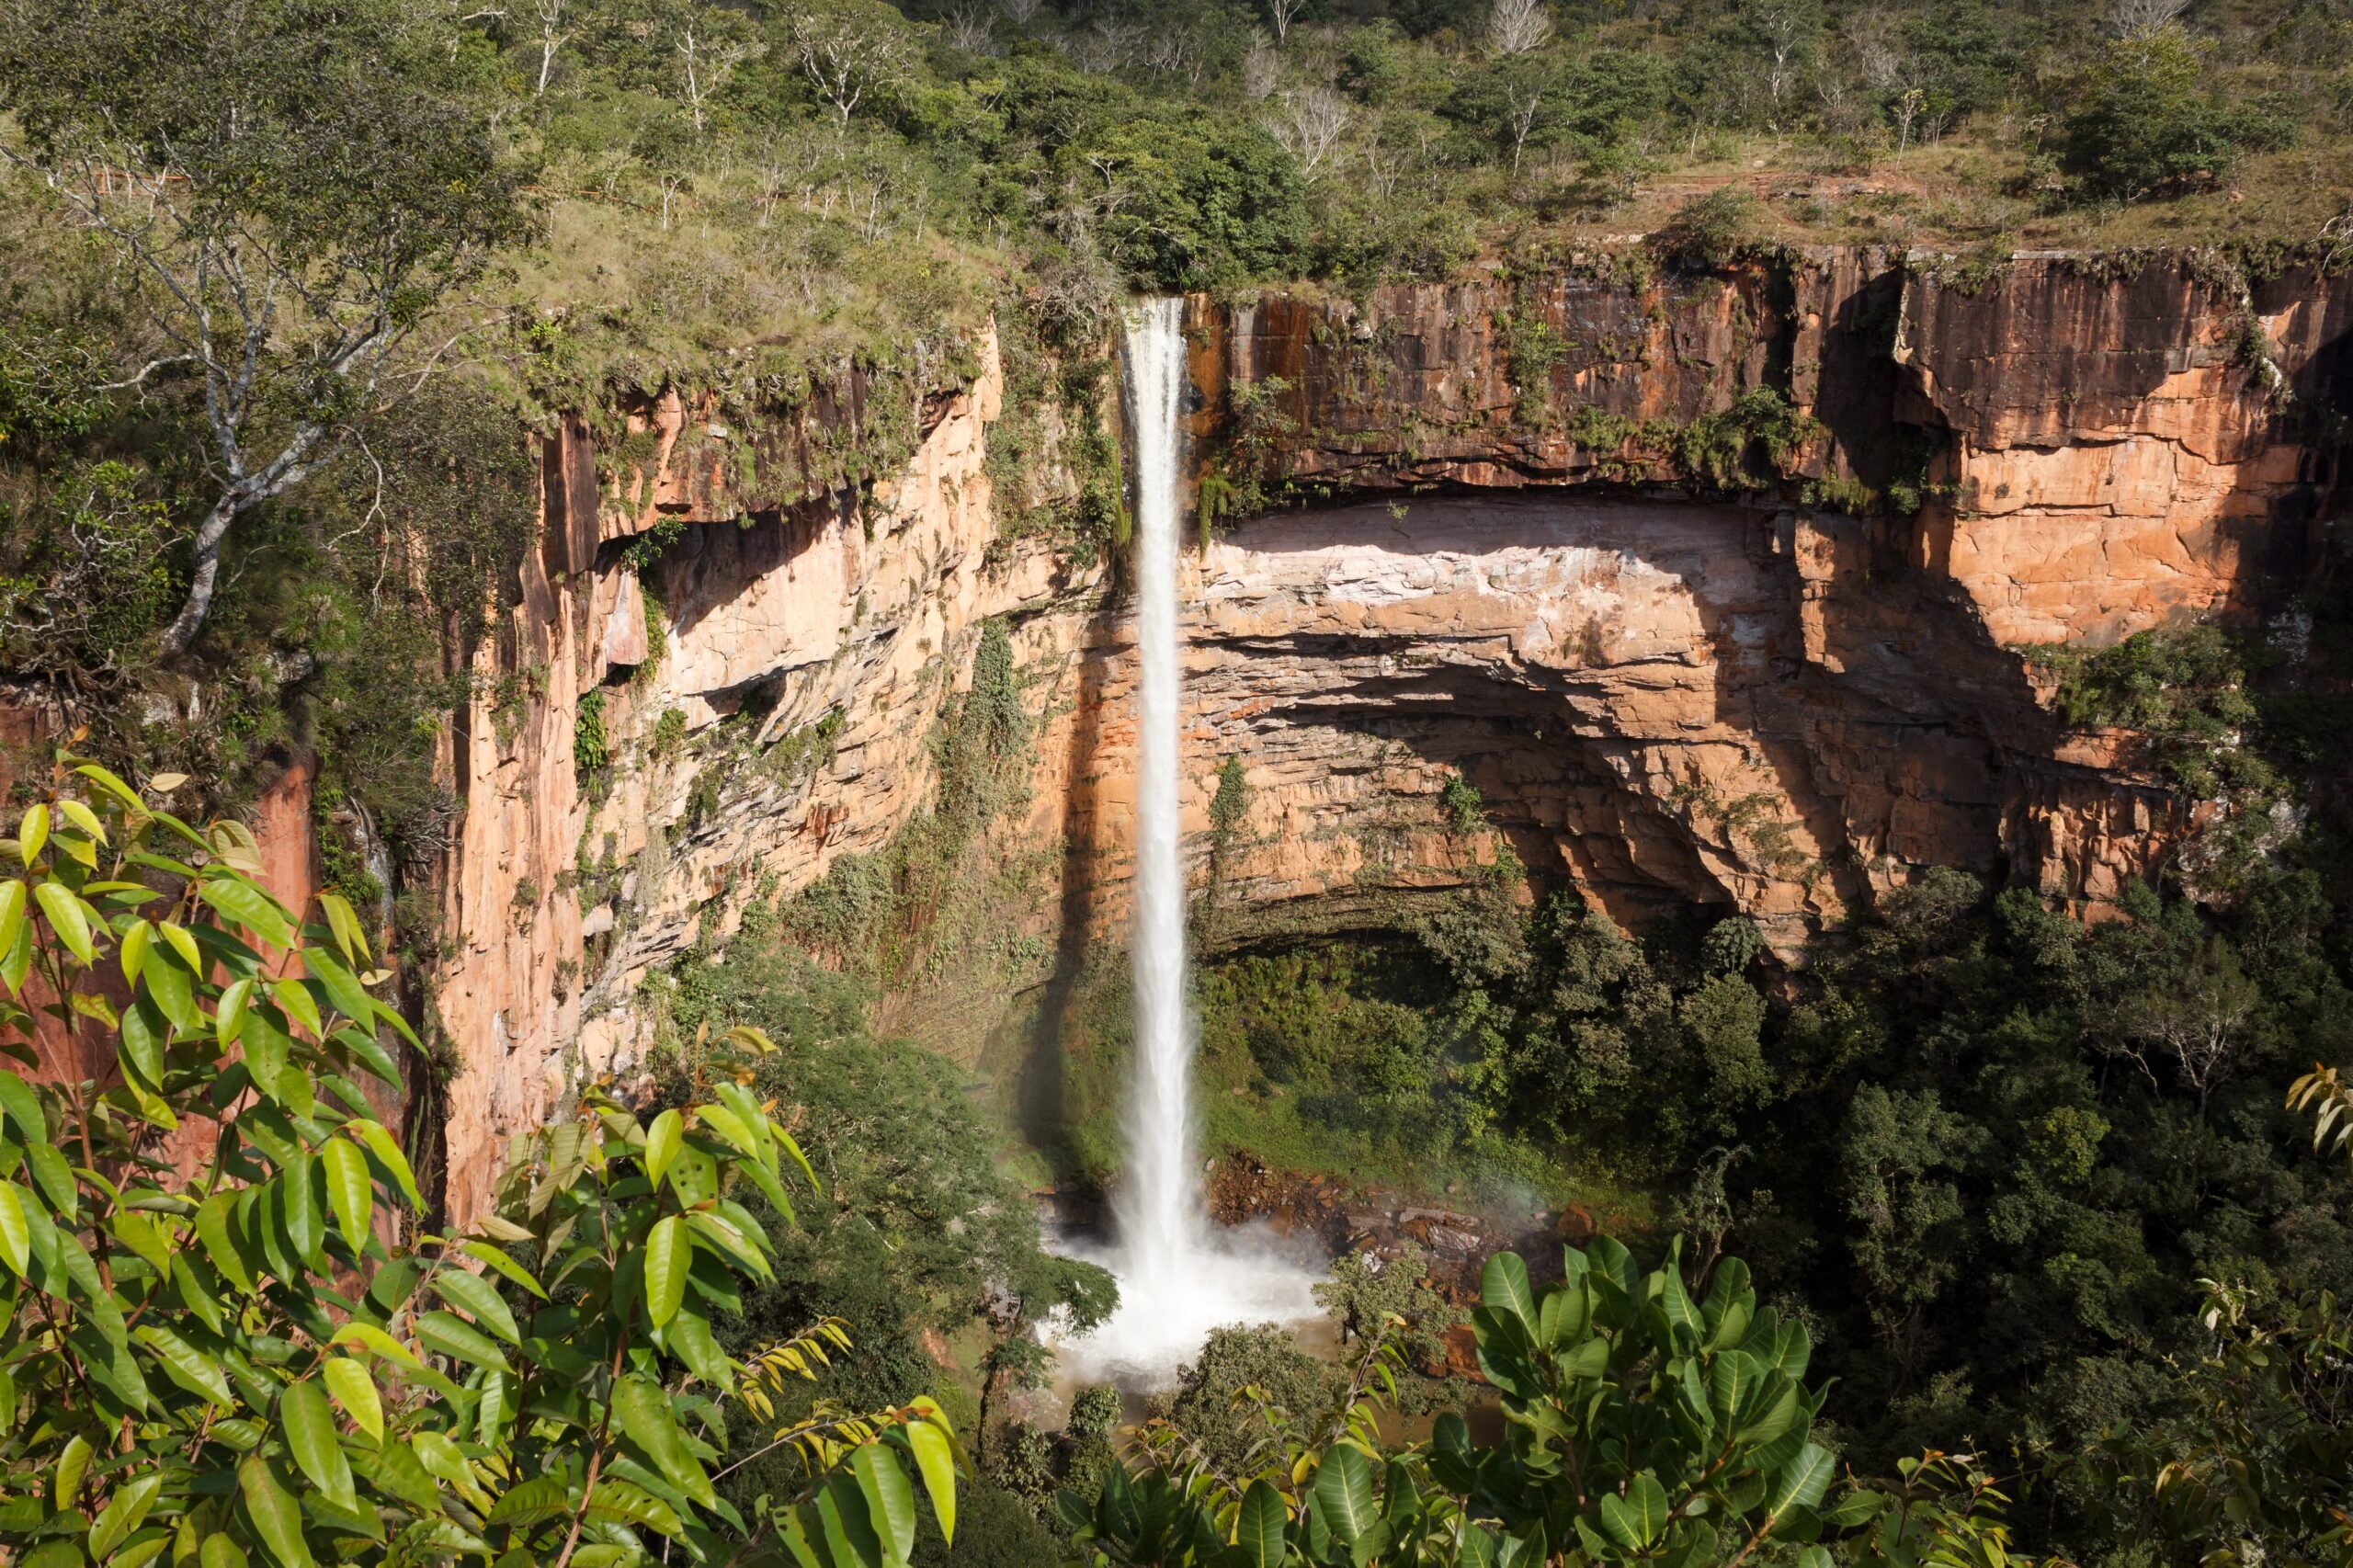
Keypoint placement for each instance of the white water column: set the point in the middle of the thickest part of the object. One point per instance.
(1162, 1223)
(1177, 1280)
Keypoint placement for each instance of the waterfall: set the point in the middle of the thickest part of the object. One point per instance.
(1176, 1282)
(1160, 1211)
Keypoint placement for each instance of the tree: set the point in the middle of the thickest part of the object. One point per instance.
(1309, 125)
(229, 1330)
(1283, 13)
(1643, 1423)
(848, 59)
(1515, 27)
(289, 200)
(2144, 122)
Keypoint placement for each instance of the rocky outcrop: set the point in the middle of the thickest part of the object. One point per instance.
(1691, 643)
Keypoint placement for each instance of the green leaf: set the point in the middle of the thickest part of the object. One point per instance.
(627, 1503)
(32, 832)
(388, 1154)
(240, 902)
(1344, 1486)
(474, 1294)
(220, 1551)
(23, 1107)
(124, 1511)
(54, 1176)
(186, 1365)
(934, 1453)
(308, 1422)
(350, 1189)
(215, 1227)
(890, 1501)
(277, 1518)
(670, 1252)
(65, 918)
(174, 990)
(505, 1264)
(1504, 1288)
(346, 926)
(346, 1377)
(643, 1409)
(689, 1337)
(1635, 1519)
(229, 1017)
(343, 988)
(15, 1235)
(1801, 1481)
(452, 1336)
(534, 1501)
(1259, 1528)
(662, 1145)
(73, 1464)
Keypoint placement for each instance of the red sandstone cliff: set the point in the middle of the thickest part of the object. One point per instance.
(1666, 695)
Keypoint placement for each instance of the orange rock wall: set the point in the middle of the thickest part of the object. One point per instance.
(1665, 698)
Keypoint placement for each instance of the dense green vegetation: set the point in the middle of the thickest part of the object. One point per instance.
(257, 1350)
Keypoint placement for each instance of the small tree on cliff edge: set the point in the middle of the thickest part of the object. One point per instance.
(286, 193)
(183, 1379)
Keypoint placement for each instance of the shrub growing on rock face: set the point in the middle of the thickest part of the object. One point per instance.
(230, 1338)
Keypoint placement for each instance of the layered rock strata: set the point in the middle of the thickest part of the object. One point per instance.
(1490, 560)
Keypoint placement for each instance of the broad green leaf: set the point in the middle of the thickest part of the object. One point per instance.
(277, 1517)
(133, 951)
(220, 1551)
(215, 1226)
(1344, 1486)
(294, 1000)
(532, 1501)
(229, 1017)
(1259, 1528)
(670, 1252)
(452, 1336)
(1503, 1288)
(345, 926)
(628, 1504)
(343, 988)
(32, 832)
(662, 1145)
(73, 1464)
(388, 1154)
(82, 817)
(368, 1337)
(890, 1501)
(15, 1235)
(308, 1422)
(124, 1511)
(505, 1264)
(185, 1365)
(1635, 1519)
(643, 1411)
(1801, 1481)
(26, 1118)
(934, 1453)
(185, 945)
(350, 1190)
(472, 1293)
(241, 903)
(54, 1173)
(65, 918)
(346, 1377)
(689, 1337)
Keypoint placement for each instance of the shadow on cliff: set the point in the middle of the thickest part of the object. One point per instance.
(1906, 682)
(1040, 1100)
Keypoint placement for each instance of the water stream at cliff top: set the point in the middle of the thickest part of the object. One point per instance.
(1177, 1280)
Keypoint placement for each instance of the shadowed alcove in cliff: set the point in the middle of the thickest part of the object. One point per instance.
(1662, 702)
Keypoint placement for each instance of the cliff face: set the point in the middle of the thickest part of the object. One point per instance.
(1666, 693)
